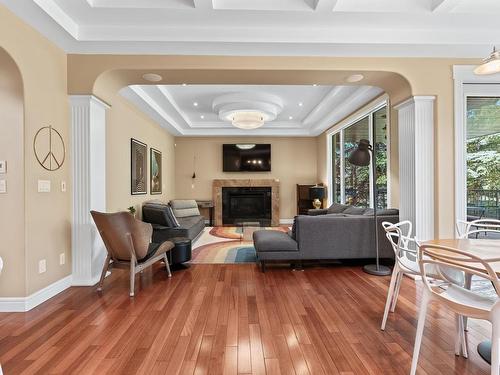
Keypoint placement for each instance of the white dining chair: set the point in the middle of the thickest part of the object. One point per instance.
(405, 261)
(458, 299)
(466, 229)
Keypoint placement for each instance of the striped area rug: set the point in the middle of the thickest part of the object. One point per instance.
(226, 245)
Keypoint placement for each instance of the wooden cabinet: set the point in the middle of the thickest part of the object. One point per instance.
(304, 202)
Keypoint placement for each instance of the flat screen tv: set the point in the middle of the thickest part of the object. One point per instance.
(245, 157)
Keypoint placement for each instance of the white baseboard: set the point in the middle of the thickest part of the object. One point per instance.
(286, 221)
(22, 304)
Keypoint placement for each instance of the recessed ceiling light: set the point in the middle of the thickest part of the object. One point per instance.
(184, 84)
(195, 104)
(301, 104)
(355, 78)
(202, 117)
(152, 77)
(290, 117)
(315, 84)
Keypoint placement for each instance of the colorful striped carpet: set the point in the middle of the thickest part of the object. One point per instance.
(225, 245)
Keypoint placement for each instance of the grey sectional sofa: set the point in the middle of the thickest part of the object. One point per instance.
(332, 234)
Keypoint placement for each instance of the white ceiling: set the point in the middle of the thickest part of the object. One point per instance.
(308, 110)
(268, 27)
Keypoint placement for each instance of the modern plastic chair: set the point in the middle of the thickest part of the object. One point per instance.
(460, 300)
(405, 256)
(465, 229)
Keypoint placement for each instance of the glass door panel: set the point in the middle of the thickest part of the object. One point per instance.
(336, 165)
(380, 126)
(483, 156)
(356, 179)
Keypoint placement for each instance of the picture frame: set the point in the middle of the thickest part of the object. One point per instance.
(138, 167)
(155, 171)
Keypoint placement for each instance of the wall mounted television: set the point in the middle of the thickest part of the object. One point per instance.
(246, 157)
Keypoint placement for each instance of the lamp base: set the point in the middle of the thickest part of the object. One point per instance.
(372, 269)
(317, 204)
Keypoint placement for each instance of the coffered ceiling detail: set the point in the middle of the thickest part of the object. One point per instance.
(304, 110)
(268, 27)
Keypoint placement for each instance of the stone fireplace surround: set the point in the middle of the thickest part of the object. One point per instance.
(274, 184)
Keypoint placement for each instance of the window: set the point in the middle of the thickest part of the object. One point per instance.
(482, 146)
(353, 184)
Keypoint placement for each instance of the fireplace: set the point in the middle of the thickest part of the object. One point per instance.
(246, 205)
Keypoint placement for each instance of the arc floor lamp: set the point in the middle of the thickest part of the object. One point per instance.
(362, 156)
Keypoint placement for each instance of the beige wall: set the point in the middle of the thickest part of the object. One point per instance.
(123, 121)
(293, 161)
(47, 216)
(12, 203)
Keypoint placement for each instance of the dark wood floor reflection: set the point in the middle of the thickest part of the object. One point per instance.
(232, 319)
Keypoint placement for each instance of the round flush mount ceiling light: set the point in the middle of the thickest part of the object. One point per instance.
(152, 77)
(354, 78)
(247, 110)
(490, 65)
(245, 146)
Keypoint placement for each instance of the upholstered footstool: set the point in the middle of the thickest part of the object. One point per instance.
(273, 245)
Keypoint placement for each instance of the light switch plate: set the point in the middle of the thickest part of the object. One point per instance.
(3, 166)
(63, 186)
(62, 258)
(42, 266)
(44, 186)
(3, 186)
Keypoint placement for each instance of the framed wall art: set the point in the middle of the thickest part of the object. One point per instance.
(155, 171)
(138, 167)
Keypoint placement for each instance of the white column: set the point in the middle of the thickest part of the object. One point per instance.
(88, 157)
(416, 164)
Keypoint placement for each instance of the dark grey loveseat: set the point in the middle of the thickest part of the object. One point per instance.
(164, 229)
(327, 236)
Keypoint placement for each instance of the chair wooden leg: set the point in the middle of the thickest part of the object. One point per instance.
(103, 273)
(390, 295)
(420, 331)
(167, 266)
(396, 291)
(458, 334)
(132, 277)
(463, 338)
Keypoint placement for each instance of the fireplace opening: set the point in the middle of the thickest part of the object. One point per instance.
(246, 205)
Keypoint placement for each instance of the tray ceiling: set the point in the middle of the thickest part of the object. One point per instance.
(308, 110)
(268, 27)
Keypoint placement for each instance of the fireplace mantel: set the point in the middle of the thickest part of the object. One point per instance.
(274, 184)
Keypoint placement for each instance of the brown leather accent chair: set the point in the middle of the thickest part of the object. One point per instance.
(128, 242)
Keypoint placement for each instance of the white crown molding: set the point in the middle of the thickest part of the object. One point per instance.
(340, 102)
(417, 33)
(22, 304)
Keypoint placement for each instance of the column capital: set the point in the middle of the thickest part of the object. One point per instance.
(82, 100)
(413, 100)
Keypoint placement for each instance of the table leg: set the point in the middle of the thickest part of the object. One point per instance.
(484, 350)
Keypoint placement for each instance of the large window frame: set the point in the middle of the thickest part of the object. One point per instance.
(466, 84)
(367, 111)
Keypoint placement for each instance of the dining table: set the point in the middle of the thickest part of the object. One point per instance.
(489, 251)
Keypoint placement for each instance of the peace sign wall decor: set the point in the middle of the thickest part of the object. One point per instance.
(49, 148)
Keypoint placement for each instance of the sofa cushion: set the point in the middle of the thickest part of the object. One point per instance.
(337, 208)
(158, 213)
(185, 207)
(193, 225)
(353, 210)
(273, 240)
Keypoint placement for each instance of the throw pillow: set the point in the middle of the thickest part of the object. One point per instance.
(294, 228)
(185, 207)
(337, 208)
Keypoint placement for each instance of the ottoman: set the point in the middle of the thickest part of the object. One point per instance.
(273, 245)
(181, 252)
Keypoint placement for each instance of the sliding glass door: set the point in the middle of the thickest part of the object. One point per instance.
(482, 148)
(352, 184)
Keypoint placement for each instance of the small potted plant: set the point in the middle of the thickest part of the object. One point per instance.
(132, 210)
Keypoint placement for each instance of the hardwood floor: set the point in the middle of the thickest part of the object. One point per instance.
(232, 319)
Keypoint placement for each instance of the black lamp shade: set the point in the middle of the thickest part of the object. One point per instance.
(360, 156)
(317, 192)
